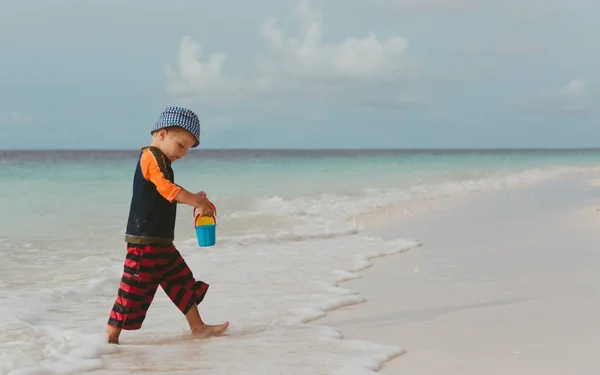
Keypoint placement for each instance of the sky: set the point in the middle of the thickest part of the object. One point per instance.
(78, 74)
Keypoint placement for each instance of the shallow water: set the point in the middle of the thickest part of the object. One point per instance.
(290, 226)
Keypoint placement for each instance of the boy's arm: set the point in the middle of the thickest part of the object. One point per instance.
(200, 194)
(195, 200)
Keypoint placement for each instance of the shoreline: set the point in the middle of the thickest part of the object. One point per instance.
(479, 291)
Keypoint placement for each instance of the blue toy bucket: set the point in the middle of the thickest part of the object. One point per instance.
(206, 228)
(206, 235)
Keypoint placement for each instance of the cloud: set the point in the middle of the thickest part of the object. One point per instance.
(304, 65)
(568, 98)
(16, 118)
(571, 98)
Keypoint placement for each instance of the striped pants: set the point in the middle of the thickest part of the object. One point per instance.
(145, 268)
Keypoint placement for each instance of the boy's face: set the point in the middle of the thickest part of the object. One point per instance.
(174, 144)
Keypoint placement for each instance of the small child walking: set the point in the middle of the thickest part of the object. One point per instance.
(152, 259)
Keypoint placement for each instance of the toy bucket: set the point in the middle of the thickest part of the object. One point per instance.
(207, 235)
(206, 228)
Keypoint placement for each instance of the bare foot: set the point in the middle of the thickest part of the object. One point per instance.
(113, 340)
(207, 330)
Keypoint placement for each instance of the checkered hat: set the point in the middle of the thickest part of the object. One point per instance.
(178, 116)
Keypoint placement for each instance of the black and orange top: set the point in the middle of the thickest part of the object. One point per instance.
(153, 207)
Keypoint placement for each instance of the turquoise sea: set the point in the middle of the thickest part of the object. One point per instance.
(291, 224)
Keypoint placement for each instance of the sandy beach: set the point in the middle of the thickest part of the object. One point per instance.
(505, 282)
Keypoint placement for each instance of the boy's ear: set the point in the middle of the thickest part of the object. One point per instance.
(162, 134)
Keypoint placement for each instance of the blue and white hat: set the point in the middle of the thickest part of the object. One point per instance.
(178, 116)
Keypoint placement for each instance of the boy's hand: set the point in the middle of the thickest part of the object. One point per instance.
(204, 208)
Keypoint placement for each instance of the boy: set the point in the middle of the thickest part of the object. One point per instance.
(152, 259)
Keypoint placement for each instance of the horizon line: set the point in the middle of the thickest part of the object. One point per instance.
(323, 149)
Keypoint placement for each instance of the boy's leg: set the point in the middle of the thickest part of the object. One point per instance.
(186, 293)
(113, 334)
(136, 292)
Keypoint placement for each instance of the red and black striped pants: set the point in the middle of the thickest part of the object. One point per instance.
(146, 267)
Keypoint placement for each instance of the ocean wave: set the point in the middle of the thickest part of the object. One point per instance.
(36, 339)
(277, 219)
